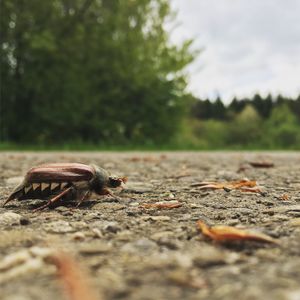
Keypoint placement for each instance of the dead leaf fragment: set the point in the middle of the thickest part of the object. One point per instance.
(148, 158)
(229, 185)
(284, 197)
(73, 278)
(261, 164)
(162, 205)
(228, 233)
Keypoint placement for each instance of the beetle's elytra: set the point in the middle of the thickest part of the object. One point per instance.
(65, 181)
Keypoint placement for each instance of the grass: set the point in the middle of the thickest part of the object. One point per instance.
(7, 146)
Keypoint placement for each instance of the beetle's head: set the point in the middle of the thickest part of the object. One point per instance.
(103, 179)
(115, 182)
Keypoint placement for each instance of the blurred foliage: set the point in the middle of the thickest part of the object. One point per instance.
(90, 71)
(257, 123)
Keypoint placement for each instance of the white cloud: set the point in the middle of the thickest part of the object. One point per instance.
(250, 46)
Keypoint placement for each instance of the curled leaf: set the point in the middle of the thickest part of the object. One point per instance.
(229, 185)
(162, 205)
(284, 197)
(261, 164)
(228, 233)
(73, 278)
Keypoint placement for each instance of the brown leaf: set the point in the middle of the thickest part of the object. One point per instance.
(148, 158)
(284, 197)
(73, 278)
(162, 205)
(253, 190)
(228, 233)
(229, 185)
(261, 164)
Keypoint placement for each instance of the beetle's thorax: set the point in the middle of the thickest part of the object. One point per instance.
(100, 179)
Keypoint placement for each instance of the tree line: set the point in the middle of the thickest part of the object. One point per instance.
(208, 109)
(271, 122)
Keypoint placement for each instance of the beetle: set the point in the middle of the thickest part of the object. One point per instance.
(57, 181)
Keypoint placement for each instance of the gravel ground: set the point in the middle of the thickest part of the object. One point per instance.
(132, 252)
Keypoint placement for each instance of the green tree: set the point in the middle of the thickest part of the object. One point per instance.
(282, 129)
(245, 129)
(96, 71)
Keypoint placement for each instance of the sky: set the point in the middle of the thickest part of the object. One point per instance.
(247, 46)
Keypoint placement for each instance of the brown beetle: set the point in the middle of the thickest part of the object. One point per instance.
(65, 181)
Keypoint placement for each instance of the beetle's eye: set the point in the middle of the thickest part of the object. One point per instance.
(114, 182)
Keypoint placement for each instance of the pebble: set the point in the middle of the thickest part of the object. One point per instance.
(232, 222)
(23, 262)
(284, 209)
(78, 236)
(295, 222)
(107, 226)
(80, 225)
(133, 211)
(97, 233)
(11, 218)
(112, 227)
(142, 245)
(156, 218)
(209, 256)
(95, 248)
(59, 227)
(163, 234)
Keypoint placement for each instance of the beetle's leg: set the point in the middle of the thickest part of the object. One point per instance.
(84, 197)
(106, 191)
(54, 199)
(18, 191)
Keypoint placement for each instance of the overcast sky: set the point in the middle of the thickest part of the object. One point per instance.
(248, 46)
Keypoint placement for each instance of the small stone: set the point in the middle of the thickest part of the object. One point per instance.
(95, 248)
(111, 227)
(232, 222)
(59, 227)
(209, 256)
(295, 222)
(62, 209)
(80, 225)
(78, 236)
(124, 235)
(133, 211)
(284, 209)
(97, 233)
(11, 218)
(156, 218)
(163, 234)
(143, 246)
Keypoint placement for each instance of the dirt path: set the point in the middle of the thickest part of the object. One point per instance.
(133, 252)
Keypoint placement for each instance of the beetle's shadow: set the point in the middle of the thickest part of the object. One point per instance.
(35, 204)
(32, 204)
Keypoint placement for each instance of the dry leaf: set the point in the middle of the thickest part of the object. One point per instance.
(162, 205)
(229, 185)
(253, 190)
(261, 164)
(228, 233)
(147, 158)
(284, 197)
(73, 278)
